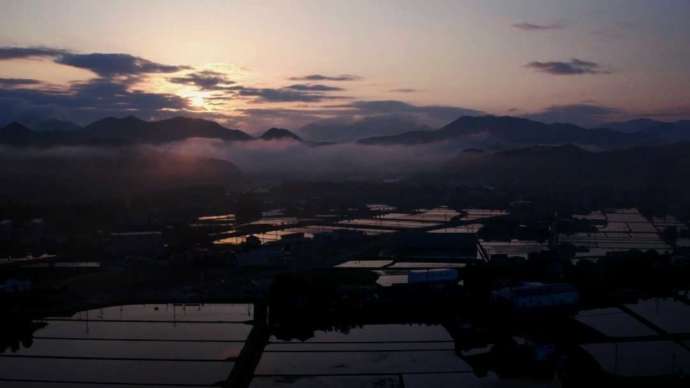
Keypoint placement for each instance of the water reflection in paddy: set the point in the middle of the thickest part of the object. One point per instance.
(368, 341)
(393, 355)
(307, 231)
(145, 344)
(196, 345)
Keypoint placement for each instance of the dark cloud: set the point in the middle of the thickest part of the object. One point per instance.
(102, 64)
(321, 77)
(573, 67)
(114, 93)
(17, 82)
(111, 93)
(86, 101)
(28, 52)
(403, 90)
(103, 94)
(585, 114)
(205, 80)
(537, 27)
(109, 65)
(314, 88)
(284, 95)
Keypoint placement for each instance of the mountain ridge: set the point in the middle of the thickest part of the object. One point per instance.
(500, 131)
(279, 134)
(123, 131)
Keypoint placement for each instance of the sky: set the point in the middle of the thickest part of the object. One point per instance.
(257, 64)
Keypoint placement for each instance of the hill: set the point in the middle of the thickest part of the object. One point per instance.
(279, 134)
(506, 131)
(658, 171)
(116, 173)
(122, 131)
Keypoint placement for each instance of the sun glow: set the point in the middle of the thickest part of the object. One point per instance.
(197, 101)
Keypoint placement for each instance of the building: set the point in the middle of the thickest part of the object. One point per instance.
(15, 286)
(537, 298)
(433, 276)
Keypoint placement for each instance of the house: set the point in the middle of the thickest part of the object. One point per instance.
(15, 286)
(537, 298)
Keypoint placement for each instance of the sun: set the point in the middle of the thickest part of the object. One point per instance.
(197, 101)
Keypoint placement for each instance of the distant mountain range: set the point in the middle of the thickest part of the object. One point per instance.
(632, 157)
(506, 132)
(668, 131)
(53, 125)
(126, 131)
(484, 132)
(338, 130)
(132, 129)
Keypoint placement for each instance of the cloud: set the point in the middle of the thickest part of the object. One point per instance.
(281, 158)
(277, 158)
(284, 95)
(403, 90)
(115, 92)
(86, 101)
(205, 80)
(573, 67)
(102, 64)
(524, 26)
(314, 87)
(585, 114)
(321, 77)
(109, 65)
(111, 93)
(7, 53)
(17, 82)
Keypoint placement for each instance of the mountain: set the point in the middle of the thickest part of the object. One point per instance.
(53, 125)
(637, 125)
(134, 130)
(115, 130)
(279, 134)
(128, 130)
(671, 132)
(16, 134)
(125, 173)
(659, 171)
(663, 131)
(339, 130)
(502, 131)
